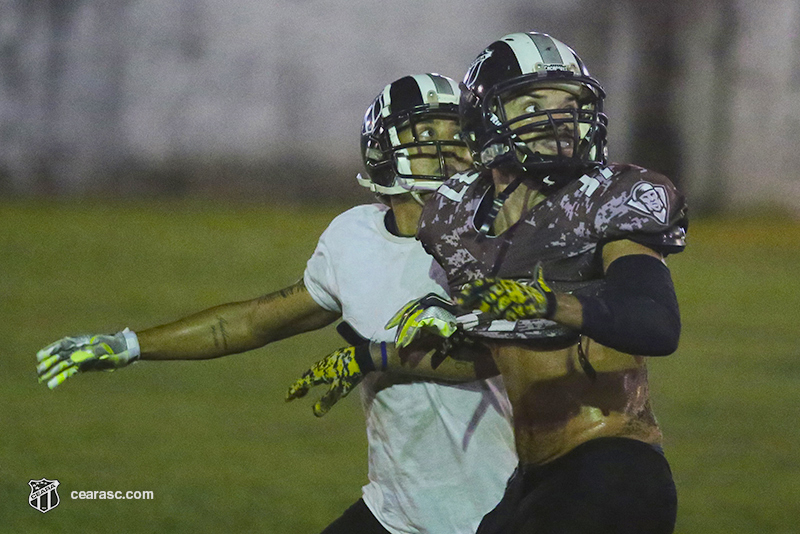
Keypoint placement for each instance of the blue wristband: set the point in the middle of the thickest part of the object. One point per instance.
(384, 357)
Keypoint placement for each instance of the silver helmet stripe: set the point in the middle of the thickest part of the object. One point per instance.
(527, 56)
(435, 89)
(548, 48)
(448, 89)
(545, 52)
(569, 58)
(442, 85)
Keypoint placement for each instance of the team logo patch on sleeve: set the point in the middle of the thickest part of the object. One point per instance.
(650, 199)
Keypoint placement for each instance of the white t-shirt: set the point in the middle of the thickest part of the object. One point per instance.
(439, 455)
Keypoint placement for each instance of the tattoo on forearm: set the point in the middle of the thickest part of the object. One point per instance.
(214, 334)
(223, 332)
(286, 292)
(219, 333)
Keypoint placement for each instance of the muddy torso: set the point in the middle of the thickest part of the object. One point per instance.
(557, 405)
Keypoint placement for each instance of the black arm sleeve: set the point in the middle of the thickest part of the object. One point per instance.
(636, 310)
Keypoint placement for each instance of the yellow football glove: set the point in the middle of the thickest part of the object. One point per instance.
(343, 369)
(506, 299)
(70, 355)
(431, 313)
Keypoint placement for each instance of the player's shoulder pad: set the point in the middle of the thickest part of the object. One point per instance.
(616, 177)
(641, 205)
(632, 190)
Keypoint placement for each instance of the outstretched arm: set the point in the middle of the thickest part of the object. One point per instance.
(219, 331)
(236, 327)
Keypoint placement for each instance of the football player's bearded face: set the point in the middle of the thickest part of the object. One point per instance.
(444, 160)
(547, 138)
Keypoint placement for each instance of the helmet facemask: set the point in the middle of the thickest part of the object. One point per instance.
(427, 150)
(528, 62)
(534, 140)
(410, 137)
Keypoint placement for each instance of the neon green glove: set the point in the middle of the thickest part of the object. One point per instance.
(343, 369)
(79, 354)
(431, 313)
(506, 299)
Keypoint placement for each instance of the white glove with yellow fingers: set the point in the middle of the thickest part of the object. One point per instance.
(71, 355)
(431, 313)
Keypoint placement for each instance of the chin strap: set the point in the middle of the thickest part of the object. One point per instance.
(497, 205)
(585, 363)
(380, 189)
(401, 187)
(416, 196)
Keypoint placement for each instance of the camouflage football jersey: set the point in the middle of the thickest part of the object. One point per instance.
(565, 233)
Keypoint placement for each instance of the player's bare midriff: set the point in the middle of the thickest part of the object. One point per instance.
(558, 406)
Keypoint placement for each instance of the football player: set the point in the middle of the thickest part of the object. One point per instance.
(559, 256)
(428, 441)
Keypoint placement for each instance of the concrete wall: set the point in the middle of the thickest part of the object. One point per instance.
(158, 95)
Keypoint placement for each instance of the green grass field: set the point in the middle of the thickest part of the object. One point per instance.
(221, 450)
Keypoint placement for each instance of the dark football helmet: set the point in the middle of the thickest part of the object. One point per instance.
(393, 145)
(518, 64)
